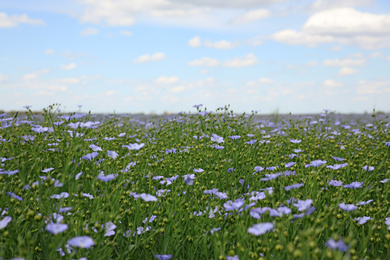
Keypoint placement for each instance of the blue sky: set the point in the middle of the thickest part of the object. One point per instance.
(156, 56)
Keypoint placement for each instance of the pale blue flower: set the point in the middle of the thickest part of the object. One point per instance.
(78, 176)
(294, 186)
(262, 228)
(134, 146)
(315, 163)
(4, 222)
(385, 180)
(340, 245)
(81, 241)
(368, 168)
(295, 141)
(147, 197)
(106, 178)
(232, 257)
(354, 185)
(337, 158)
(112, 154)
(303, 204)
(251, 142)
(347, 207)
(90, 156)
(238, 203)
(337, 166)
(59, 196)
(362, 220)
(109, 228)
(13, 195)
(164, 257)
(95, 148)
(335, 183)
(290, 164)
(258, 169)
(56, 228)
(198, 170)
(189, 179)
(216, 138)
(47, 170)
(218, 147)
(364, 202)
(234, 137)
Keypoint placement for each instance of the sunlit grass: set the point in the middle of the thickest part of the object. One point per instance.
(193, 186)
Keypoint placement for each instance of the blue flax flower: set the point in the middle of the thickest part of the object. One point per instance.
(354, 185)
(362, 220)
(56, 228)
(339, 245)
(335, 183)
(234, 137)
(4, 222)
(347, 207)
(294, 186)
(189, 179)
(303, 204)
(364, 202)
(81, 241)
(315, 163)
(163, 257)
(238, 203)
(262, 228)
(368, 168)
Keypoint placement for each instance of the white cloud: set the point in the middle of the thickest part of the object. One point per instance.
(294, 37)
(3, 78)
(344, 25)
(167, 80)
(375, 54)
(69, 66)
(311, 63)
(265, 80)
(223, 45)
(50, 51)
(7, 21)
(71, 80)
(347, 71)
(177, 89)
(336, 48)
(195, 42)
(204, 71)
(347, 21)
(251, 16)
(344, 63)
(321, 5)
(150, 57)
(248, 60)
(126, 33)
(34, 75)
(332, 83)
(373, 87)
(89, 31)
(110, 93)
(58, 88)
(207, 62)
(223, 4)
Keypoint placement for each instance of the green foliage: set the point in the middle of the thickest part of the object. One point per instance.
(177, 229)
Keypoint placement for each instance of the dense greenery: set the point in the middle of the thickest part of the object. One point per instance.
(193, 186)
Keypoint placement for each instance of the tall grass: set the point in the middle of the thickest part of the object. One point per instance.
(193, 186)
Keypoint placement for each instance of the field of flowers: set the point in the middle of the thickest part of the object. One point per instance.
(199, 185)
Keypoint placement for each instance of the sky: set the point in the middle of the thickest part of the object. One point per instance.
(156, 56)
